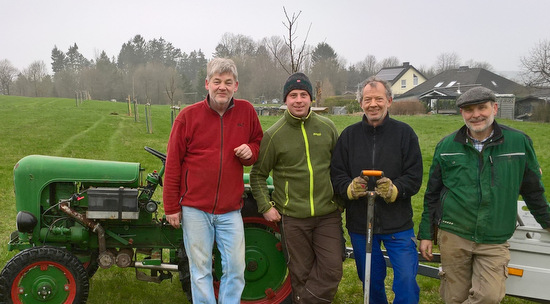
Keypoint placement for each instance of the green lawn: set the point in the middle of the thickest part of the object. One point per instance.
(103, 130)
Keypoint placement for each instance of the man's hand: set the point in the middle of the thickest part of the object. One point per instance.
(243, 152)
(386, 189)
(174, 219)
(426, 249)
(272, 215)
(357, 188)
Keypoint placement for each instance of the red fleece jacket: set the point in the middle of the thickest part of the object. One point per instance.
(201, 169)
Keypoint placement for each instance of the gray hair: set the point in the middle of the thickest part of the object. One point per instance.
(371, 81)
(221, 66)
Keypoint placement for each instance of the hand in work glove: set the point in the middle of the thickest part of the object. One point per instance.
(357, 188)
(386, 189)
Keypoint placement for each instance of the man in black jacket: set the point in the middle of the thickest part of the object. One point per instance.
(381, 143)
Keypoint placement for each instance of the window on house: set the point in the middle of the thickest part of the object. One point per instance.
(438, 84)
(415, 80)
(451, 83)
(403, 83)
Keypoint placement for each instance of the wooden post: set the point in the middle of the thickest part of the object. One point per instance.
(129, 107)
(136, 114)
(148, 118)
(174, 114)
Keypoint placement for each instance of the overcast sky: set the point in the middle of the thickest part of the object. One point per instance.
(499, 32)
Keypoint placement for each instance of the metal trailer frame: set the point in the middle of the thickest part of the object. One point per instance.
(529, 267)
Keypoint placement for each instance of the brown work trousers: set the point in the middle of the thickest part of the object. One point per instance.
(314, 249)
(472, 272)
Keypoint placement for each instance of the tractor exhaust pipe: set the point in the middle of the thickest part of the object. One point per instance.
(106, 258)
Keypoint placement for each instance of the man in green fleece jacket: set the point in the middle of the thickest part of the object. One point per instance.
(298, 149)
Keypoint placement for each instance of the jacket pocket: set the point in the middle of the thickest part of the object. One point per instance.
(456, 169)
(504, 164)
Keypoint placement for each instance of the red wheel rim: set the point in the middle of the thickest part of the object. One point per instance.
(69, 286)
(271, 296)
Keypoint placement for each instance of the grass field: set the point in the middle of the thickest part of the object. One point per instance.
(103, 130)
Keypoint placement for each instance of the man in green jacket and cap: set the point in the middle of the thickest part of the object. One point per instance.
(476, 176)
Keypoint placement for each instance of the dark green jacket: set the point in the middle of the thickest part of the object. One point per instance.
(298, 150)
(474, 194)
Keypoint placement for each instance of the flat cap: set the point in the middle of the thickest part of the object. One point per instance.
(474, 96)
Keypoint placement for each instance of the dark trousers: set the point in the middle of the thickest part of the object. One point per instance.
(313, 250)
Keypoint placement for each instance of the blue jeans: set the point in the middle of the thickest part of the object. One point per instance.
(200, 230)
(401, 249)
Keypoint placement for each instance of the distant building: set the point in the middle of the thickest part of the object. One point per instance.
(402, 78)
(440, 92)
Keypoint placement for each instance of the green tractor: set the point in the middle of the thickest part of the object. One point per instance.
(76, 215)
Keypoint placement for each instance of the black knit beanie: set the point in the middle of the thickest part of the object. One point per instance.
(297, 81)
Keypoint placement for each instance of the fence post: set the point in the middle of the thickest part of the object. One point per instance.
(129, 107)
(174, 113)
(148, 118)
(136, 115)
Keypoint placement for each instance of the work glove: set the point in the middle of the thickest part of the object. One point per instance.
(357, 188)
(386, 189)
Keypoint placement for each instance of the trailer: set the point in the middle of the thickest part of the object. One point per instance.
(529, 267)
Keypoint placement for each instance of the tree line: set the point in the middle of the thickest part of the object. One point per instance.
(157, 72)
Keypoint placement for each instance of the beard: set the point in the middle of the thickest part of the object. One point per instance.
(487, 123)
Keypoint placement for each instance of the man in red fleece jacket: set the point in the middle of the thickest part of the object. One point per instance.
(203, 182)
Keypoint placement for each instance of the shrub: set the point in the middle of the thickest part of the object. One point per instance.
(541, 113)
(407, 107)
(339, 101)
(349, 101)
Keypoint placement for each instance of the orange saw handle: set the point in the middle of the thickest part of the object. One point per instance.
(372, 173)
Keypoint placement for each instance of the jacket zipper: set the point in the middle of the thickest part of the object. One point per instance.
(310, 169)
(186, 187)
(220, 170)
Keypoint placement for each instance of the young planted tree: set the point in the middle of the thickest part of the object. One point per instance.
(296, 53)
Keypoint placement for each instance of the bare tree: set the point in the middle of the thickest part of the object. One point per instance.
(368, 66)
(170, 84)
(479, 64)
(35, 73)
(447, 61)
(296, 53)
(7, 75)
(389, 62)
(536, 65)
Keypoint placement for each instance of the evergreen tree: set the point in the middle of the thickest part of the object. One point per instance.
(59, 60)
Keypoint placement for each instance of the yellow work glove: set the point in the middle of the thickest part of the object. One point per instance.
(386, 189)
(357, 188)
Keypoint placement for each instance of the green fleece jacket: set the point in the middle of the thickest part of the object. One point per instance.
(298, 151)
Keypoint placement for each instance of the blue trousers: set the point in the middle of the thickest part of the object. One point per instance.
(401, 249)
(200, 231)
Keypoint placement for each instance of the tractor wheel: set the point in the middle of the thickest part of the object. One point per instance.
(44, 274)
(266, 275)
(91, 265)
(185, 274)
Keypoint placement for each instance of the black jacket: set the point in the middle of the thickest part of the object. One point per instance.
(391, 147)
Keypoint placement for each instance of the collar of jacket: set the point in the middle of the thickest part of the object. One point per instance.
(463, 138)
(371, 129)
(207, 102)
(296, 121)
